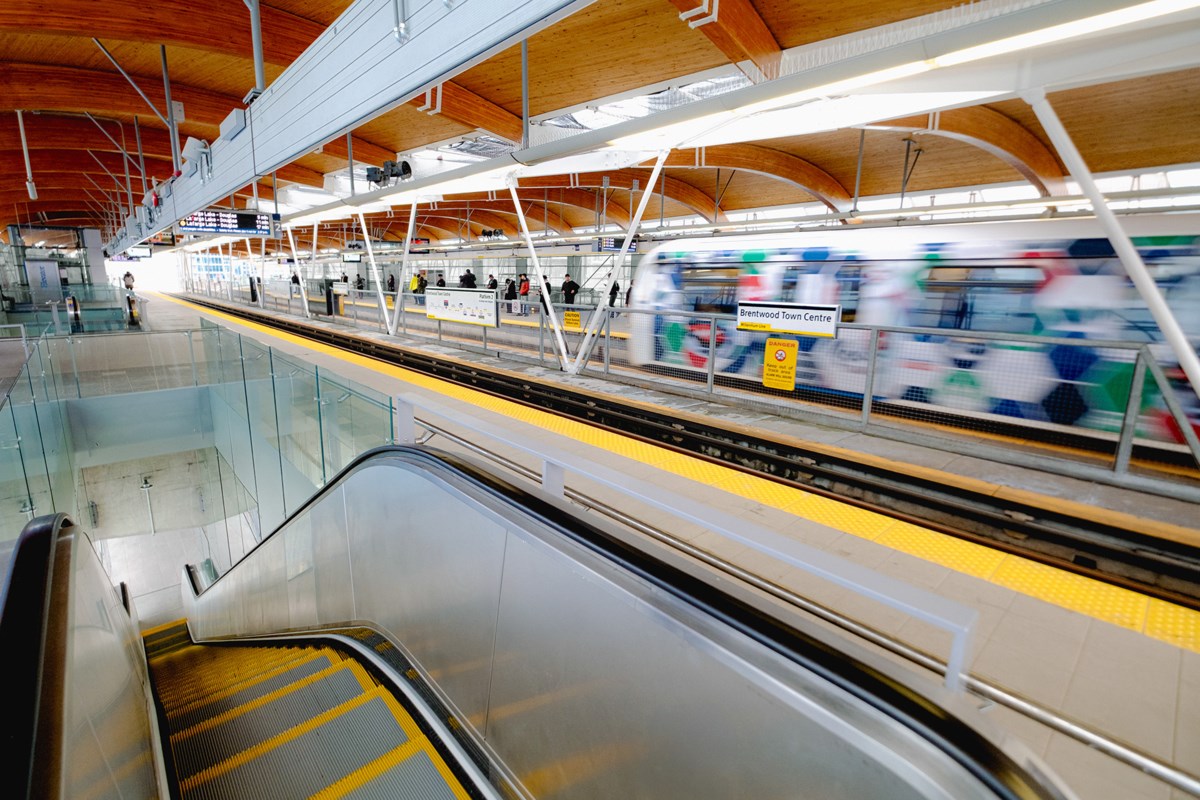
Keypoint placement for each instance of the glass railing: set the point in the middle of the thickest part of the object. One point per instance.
(270, 428)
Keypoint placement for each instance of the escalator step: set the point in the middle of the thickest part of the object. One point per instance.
(198, 672)
(202, 746)
(165, 638)
(405, 773)
(186, 716)
(306, 759)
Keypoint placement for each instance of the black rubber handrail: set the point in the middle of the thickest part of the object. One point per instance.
(25, 627)
(991, 765)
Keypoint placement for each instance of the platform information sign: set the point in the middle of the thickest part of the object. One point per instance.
(227, 221)
(798, 318)
(472, 306)
(779, 364)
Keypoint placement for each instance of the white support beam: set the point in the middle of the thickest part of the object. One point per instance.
(404, 278)
(1119, 239)
(362, 224)
(597, 319)
(560, 344)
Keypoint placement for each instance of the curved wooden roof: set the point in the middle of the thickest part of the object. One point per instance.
(52, 70)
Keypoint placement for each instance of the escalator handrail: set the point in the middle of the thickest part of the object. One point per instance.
(982, 757)
(26, 633)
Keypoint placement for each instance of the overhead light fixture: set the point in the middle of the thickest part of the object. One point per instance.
(1068, 30)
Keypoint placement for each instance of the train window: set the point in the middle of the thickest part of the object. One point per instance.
(711, 290)
(969, 296)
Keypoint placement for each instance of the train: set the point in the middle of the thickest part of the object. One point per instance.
(1038, 278)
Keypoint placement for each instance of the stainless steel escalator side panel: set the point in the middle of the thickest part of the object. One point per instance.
(109, 732)
(585, 679)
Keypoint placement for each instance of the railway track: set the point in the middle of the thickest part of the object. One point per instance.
(1148, 564)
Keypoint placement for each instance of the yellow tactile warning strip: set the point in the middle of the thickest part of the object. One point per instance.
(1156, 619)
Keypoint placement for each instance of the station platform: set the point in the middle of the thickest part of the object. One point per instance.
(1092, 655)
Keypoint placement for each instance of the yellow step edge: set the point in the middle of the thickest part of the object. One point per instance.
(365, 682)
(251, 753)
(251, 681)
(369, 772)
(187, 682)
(165, 626)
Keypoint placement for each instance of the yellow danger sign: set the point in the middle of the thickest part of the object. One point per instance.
(779, 364)
(571, 320)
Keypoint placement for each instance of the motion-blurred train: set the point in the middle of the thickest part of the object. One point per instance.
(1056, 278)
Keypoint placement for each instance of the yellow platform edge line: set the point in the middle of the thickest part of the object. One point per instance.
(1037, 589)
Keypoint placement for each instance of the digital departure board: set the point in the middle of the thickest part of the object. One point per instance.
(226, 221)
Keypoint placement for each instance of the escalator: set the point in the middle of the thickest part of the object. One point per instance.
(423, 628)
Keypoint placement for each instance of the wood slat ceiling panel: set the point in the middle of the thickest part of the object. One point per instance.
(606, 48)
(322, 11)
(405, 128)
(799, 22)
(1134, 124)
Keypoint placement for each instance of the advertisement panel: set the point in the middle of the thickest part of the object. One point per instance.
(471, 306)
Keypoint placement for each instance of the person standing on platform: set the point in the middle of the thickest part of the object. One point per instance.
(128, 280)
(569, 289)
(544, 294)
(613, 292)
(296, 281)
(391, 282)
(629, 293)
(510, 293)
(359, 283)
(523, 293)
(467, 281)
(491, 284)
(345, 278)
(441, 281)
(422, 284)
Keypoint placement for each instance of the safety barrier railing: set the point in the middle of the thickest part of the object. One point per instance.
(1060, 395)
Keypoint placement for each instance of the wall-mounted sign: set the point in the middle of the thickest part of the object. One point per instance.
(472, 306)
(139, 251)
(229, 222)
(351, 258)
(797, 318)
(779, 364)
(419, 246)
(572, 321)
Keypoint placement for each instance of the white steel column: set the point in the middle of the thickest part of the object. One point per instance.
(362, 223)
(29, 187)
(404, 279)
(593, 326)
(560, 344)
(1116, 235)
(296, 262)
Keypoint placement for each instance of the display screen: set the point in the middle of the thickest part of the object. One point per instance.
(139, 251)
(227, 221)
(419, 246)
(351, 258)
(609, 244)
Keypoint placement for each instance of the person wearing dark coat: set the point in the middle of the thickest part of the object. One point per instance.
(510, 293)
(569, 289)
(613, 292)
(491, 284)
(441, 281)
(391, 282)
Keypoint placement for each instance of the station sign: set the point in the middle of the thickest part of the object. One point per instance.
(797, 318)
(229, 222)
(470, 306)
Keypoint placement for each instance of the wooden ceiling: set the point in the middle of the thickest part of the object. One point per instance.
(51, 69)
